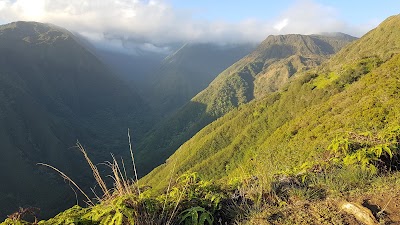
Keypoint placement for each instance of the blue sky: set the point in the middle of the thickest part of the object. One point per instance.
(155, 24)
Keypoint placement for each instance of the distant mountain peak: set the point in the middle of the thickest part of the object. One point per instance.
(276, 47)
(34, 32)
(336, 34)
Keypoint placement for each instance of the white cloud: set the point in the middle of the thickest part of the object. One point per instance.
(30, 9)
(309, 17)
(282, 24)
(153, 23)
(2, 5)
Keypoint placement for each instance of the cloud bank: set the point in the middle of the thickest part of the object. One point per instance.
(153, 24)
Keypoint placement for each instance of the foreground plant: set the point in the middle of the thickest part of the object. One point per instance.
(196, 216)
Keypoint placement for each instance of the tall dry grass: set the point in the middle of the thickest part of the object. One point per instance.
(122, 185)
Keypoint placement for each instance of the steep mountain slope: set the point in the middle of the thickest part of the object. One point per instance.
(263, 71)
(323, 149)
(355, 92)
(382, 42)
(132, 68)
(53, 92)
(268, 68)
(189, 70)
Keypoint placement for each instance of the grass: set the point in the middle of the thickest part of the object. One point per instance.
(324, 80)
(287, 198)
(96, 174)
(125, 203)
(292, 158)
(123, 187)
(317, 204)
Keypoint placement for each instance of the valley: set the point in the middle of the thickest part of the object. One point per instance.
(297, 129)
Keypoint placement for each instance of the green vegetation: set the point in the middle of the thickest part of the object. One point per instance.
(328, 135)
(265, 70)
(189, 70)
(191, 200)
(324, 80)
(53, 91)
(191, 216)
(352, 103)
(381, 42)
(295, 124)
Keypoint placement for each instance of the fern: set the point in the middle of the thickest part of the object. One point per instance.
(339, 146)
(365, 149)
(191, 216)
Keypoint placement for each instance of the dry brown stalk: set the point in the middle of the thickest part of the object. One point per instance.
(63, 175)
(96, 173)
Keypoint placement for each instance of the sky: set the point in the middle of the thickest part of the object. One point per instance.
(154, 24)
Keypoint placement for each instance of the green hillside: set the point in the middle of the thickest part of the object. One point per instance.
(297, 123)
(263, 71)
(382, 42)
(336, 127)
(52, 92)
(322, 149)
(189, 70)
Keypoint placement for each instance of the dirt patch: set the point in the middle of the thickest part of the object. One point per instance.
(384, 205)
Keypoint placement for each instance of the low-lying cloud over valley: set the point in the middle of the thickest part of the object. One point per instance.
(154, 24)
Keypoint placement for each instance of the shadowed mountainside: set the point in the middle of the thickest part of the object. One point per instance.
(53, 92)
(189, 70)
(322, 149)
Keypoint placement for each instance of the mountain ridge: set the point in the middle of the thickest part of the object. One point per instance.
(187, 71)
(53, 92)
(322, 149)
(285, 127)
(380, 37)
(239, 84)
